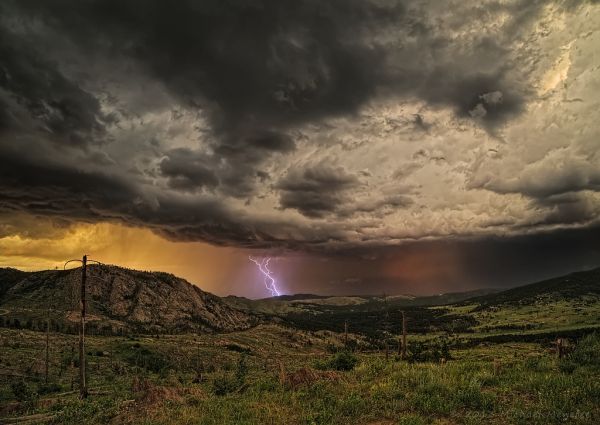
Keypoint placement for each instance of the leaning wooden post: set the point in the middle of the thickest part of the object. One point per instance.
(346, 334)
(47, 349)
(387, 352)
(82, 384)
(403, 335)
(560, 347)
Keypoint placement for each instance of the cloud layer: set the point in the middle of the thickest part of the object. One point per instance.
(303, 125)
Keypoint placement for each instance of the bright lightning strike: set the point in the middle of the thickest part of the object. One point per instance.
(270, 284)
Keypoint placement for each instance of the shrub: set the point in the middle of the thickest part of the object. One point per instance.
(151, 360)
(429, 352)
(23, 393)
(342, 361)
(20, 390)
(586, 353)
(224, 384)
(241, 370)
(49, 388)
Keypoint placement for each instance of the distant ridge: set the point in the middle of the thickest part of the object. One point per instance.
(575, 285)
(295, 297)
(124, 299)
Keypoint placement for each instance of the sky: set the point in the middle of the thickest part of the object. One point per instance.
(366, 146)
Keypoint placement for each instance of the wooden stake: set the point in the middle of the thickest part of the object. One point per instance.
(560, 347)
(346, 333)
(387, 349)
(403, 335)
(82, 383)
(47, 348)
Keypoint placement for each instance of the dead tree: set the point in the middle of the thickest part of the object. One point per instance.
(561, 347)
(47, 349)
(386, 327)
(346, 334)
(82, 304)
(82, 383)
(387, 349)
(403, 336)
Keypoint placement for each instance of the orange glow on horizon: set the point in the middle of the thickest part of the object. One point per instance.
(203, 264)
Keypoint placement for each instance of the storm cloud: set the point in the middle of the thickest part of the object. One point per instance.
(316, 191)
(303, 125)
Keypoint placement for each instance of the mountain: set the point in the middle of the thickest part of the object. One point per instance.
(128, 300)
(118, 299)
(574, 286)
(315, 304)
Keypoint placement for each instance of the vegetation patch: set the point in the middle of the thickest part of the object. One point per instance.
(341, 361)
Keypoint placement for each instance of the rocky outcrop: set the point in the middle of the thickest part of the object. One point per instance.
(144, 300)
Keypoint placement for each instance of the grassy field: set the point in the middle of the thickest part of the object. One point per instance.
(274, 375)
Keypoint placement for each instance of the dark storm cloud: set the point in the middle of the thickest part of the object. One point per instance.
(251, 64)
(256, 70)
(522, 259)
(316, 191)
(486, 97)
(569, 208)
(555, 185)
(187, 170)
(270, 64)
(441, 266)
(548, 182)
(70, 195)
(61, 191)
(239, 159)
(53, 104)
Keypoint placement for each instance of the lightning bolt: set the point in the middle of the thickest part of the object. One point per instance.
(270, 283)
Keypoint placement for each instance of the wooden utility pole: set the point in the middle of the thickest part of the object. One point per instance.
(560, 347)
(386, 325)
(47, 348)
(82, 384)
(346, 333)
(403, 335)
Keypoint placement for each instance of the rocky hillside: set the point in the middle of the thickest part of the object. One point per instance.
(119, 299)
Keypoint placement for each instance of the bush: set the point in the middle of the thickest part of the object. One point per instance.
(150, 360)
(20, 390)
(224, 384)
(586, 353)
(342, 361)
(49, 388)
(429, 352)
(228, 383)
(242, 370)
(23, 393)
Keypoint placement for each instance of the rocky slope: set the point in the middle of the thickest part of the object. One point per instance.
(118, 299)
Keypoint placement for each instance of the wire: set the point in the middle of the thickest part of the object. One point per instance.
(70, 261)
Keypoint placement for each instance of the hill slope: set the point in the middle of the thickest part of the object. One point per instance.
(118, 298)
(574, 286)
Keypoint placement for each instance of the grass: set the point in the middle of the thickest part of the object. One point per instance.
(514, 383)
